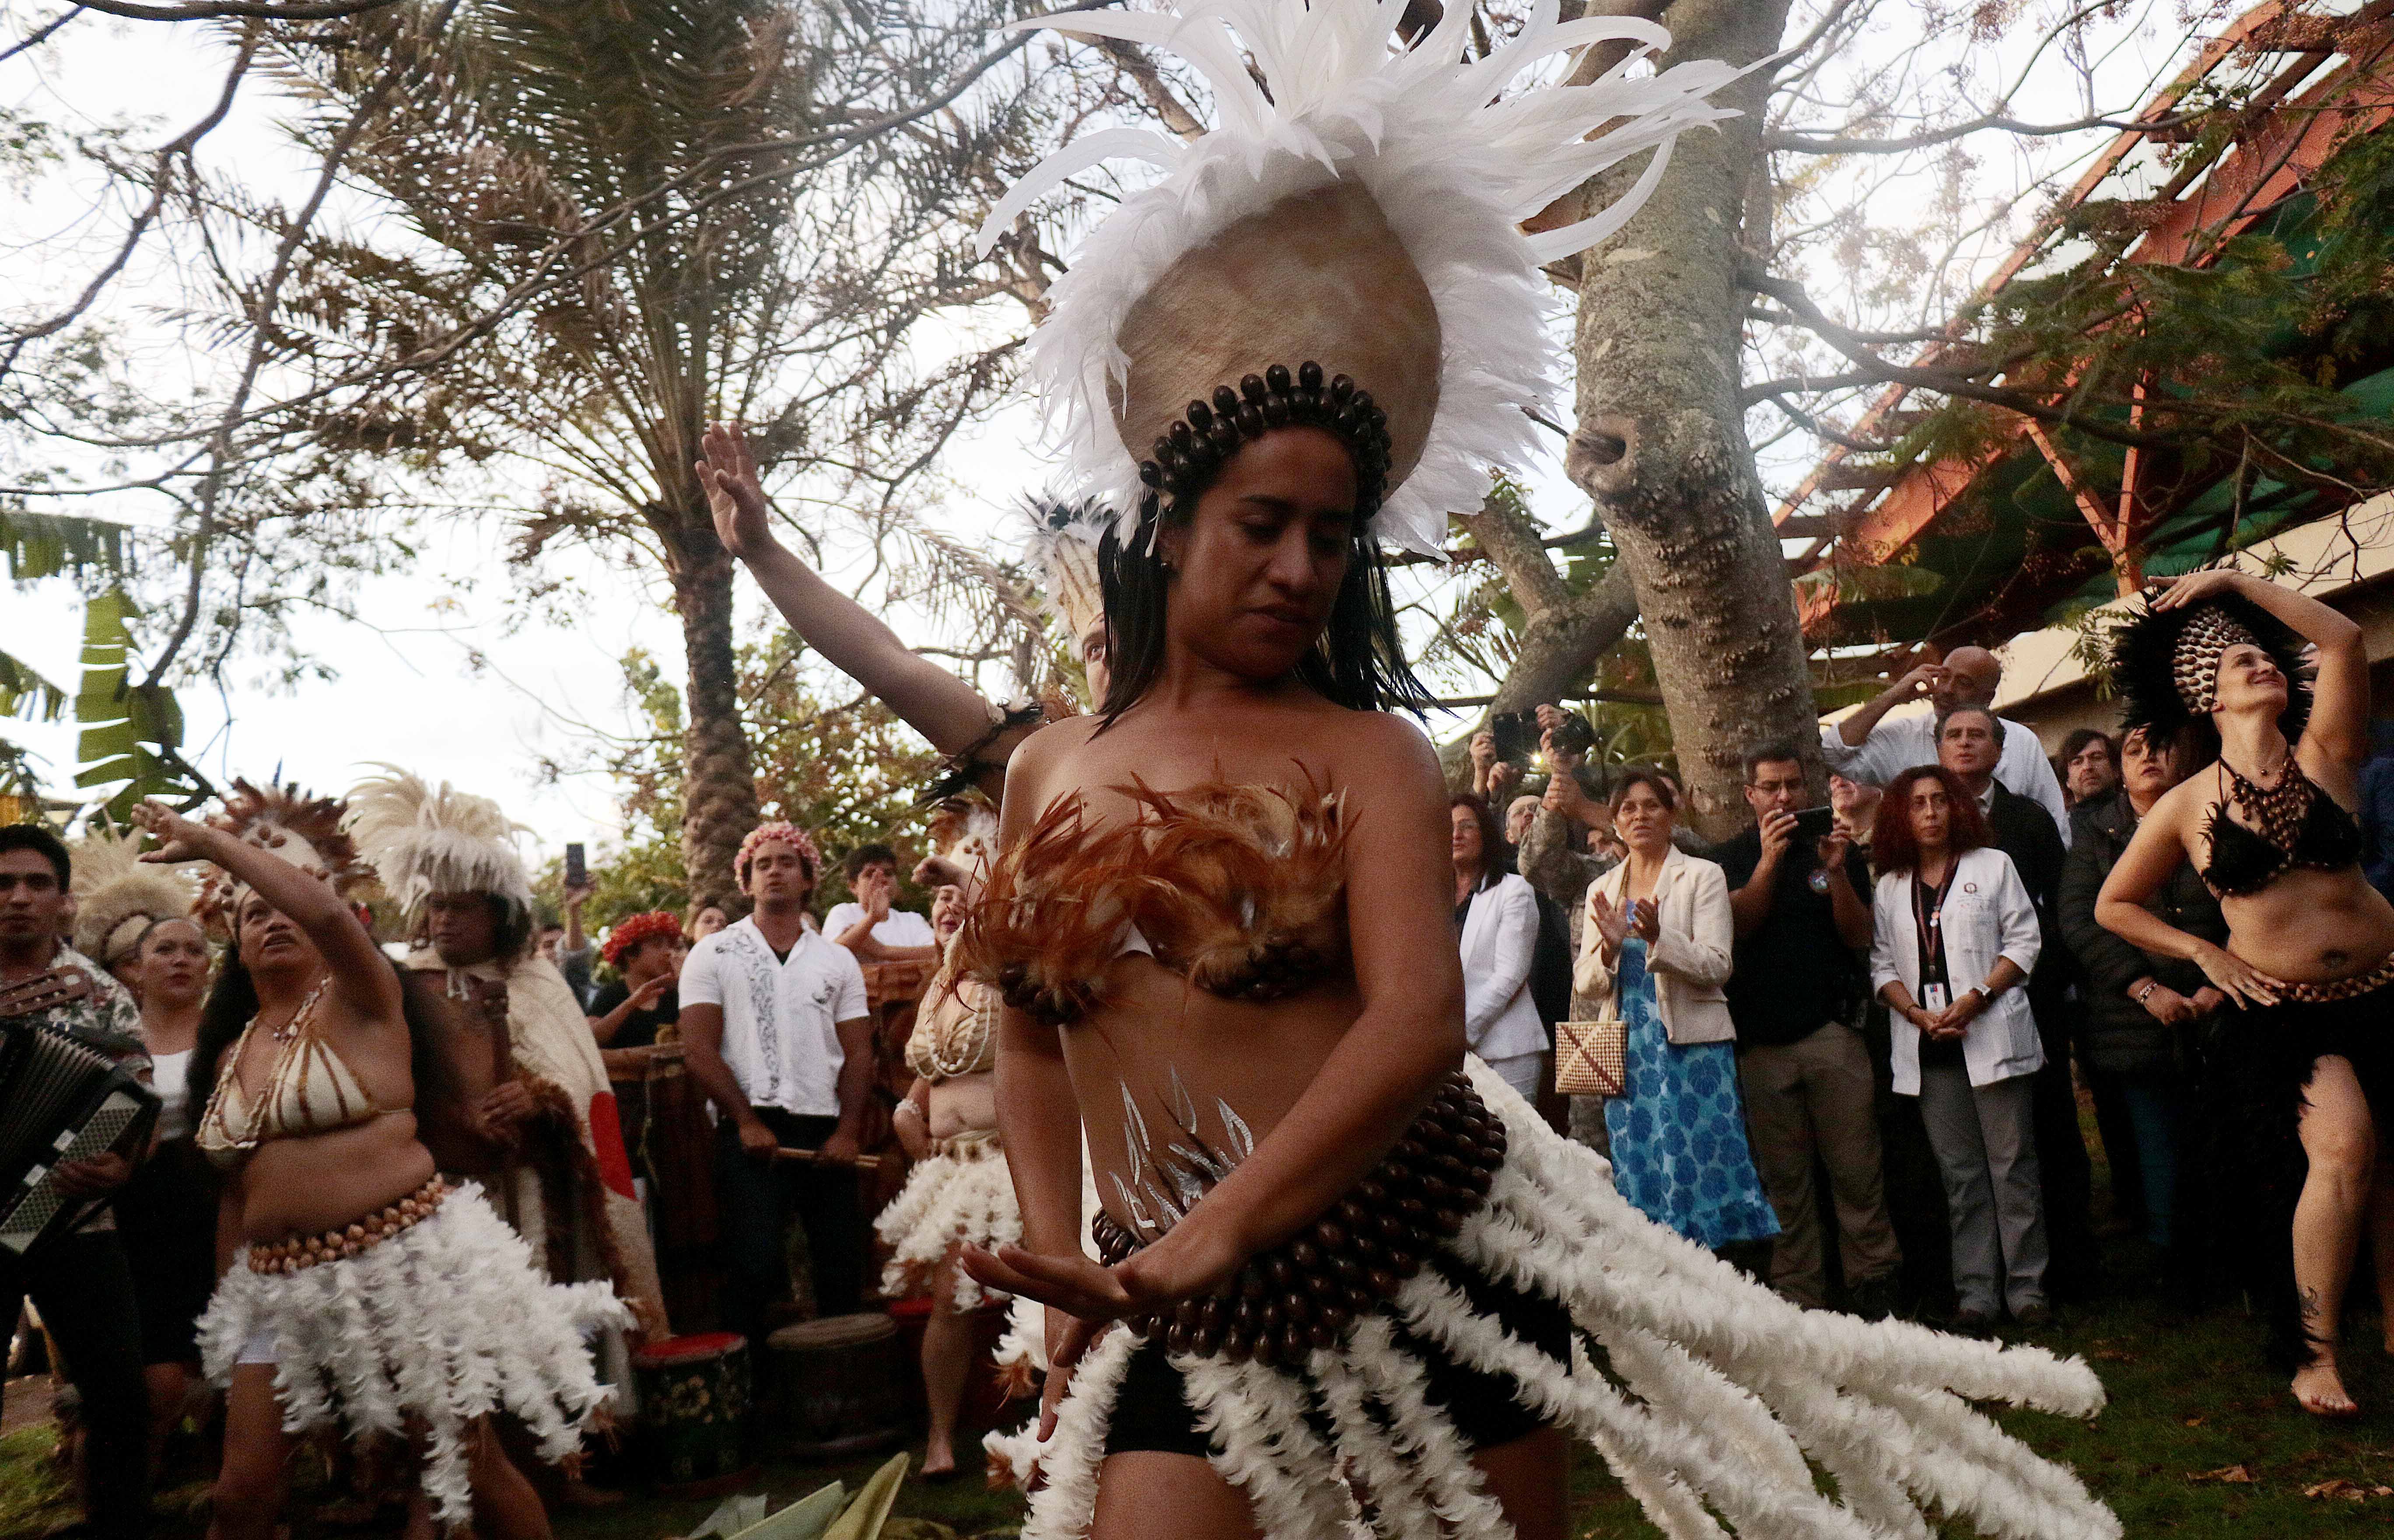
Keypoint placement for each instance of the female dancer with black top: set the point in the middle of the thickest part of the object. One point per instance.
(1348, 1270)
(2215, 665)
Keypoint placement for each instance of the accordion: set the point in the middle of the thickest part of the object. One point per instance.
(59, 1101)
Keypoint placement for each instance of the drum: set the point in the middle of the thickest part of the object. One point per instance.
(678, 1149)
(840, 1379)
(693, 1397)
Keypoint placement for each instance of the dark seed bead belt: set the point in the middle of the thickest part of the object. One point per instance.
(1304, 1294)
(301, 1252)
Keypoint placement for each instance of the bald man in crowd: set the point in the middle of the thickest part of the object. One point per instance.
(1869, 750)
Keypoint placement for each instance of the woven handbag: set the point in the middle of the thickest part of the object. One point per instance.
(1592, 1058)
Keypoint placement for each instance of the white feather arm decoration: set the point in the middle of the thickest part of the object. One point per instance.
(1453, 164)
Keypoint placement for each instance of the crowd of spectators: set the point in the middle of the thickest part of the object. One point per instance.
(1881, 1013)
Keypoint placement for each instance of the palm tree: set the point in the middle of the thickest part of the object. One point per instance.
(616, 221)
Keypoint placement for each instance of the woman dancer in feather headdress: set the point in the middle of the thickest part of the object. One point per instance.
(1352, 1284)
(2215, 667)
(358, 1289)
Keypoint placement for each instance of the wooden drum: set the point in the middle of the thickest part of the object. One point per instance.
(694, 1397)
(840, 1378)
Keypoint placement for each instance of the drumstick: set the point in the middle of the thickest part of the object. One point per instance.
(816, 1157)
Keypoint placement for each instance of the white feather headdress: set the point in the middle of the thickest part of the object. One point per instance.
(118, 898)
(421, 841)
(1452, 171)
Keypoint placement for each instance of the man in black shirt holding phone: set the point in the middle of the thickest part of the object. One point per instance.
(1799, 895)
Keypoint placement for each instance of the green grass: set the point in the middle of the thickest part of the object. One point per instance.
(2189, 1396)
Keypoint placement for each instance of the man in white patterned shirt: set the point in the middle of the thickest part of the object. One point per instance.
(775, 1028)
(80, 1282)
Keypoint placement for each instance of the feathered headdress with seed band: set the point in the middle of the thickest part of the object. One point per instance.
(1344, 250)
(2166, 662)
(303, 830)
(422, 841)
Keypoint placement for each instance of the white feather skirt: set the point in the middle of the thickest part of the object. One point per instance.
(1717, 1402)
(444, 1323)
(949, 1199)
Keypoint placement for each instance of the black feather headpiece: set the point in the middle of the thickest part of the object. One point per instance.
(2165, 664)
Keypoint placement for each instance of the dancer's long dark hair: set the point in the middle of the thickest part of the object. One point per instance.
(233, 1002)
(1358, 662)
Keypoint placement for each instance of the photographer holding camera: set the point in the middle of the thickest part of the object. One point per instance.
(1799, 897)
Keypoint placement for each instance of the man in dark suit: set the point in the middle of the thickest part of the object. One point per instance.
(1970, 743)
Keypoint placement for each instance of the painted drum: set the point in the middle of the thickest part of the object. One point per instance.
(693, 1398)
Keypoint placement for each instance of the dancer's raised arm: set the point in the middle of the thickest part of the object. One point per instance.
(359, 971)
(926, 697)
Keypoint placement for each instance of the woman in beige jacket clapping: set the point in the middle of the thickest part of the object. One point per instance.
(1655, 948)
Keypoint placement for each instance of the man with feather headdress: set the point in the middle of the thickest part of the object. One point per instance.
(450, 860)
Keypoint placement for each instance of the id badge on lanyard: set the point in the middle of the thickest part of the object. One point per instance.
(1936, 994)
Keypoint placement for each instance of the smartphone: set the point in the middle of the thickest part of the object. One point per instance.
(1516, 736)
(1814, 823)
(577, 875)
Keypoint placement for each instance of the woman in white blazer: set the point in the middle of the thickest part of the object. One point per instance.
(1654, 951)
(1954, 935)
(1498, 914)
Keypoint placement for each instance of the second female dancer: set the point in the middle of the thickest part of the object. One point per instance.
(1351, 1283)
(358, 1290)
(2215, 667)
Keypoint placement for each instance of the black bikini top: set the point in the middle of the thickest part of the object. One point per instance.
(2293, 824)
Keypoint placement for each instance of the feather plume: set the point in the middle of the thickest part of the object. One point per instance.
(1453, 169)
(424, 841)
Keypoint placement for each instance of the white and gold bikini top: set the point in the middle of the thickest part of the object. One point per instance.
(310, 1091)
(955, 1029)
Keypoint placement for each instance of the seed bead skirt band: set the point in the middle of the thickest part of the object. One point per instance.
(442, 1322)
(959, 1193)
(1707, 1393)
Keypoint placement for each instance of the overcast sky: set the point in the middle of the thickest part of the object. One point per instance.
(434, 681)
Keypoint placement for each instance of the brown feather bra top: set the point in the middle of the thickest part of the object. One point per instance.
(1239, 889)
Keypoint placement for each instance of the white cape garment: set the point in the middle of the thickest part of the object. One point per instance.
(1722, 1401)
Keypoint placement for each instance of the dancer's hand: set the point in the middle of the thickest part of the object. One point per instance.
(728, 473)
(654, 990)
(1180, 1266)
(2236, 979)
(2175, 593)
(1069, 1340)
(178, 838)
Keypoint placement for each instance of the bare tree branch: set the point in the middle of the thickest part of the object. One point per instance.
(1815, 144)
(235, 10)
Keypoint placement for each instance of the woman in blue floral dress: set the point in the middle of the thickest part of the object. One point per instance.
(1655, 948)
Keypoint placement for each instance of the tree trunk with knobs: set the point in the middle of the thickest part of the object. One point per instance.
(1657, 349)
(718, 779)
